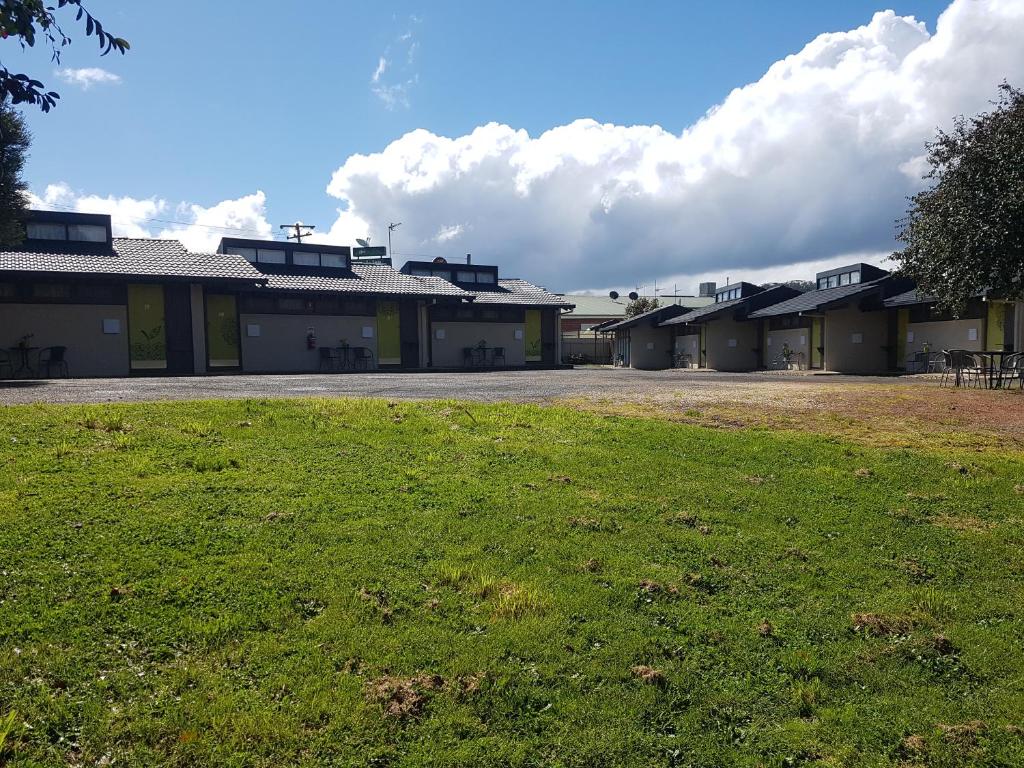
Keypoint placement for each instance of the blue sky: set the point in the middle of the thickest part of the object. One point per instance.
(218, 100)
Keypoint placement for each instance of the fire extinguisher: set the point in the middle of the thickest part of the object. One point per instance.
(310, 338)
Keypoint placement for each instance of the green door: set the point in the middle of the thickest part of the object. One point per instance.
(533, 343)
(389, 334)
(147, 332)
(222, 347)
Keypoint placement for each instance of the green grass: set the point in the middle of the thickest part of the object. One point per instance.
(363, 583)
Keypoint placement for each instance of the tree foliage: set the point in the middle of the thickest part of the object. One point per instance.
(965, 235)
(798, 285)
(640, 305)
(14, 142)
(25, 20)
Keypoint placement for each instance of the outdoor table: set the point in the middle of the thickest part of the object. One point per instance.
(23, 365)
(991, 354)
(478, 355)
(919, 361)
(347, 357)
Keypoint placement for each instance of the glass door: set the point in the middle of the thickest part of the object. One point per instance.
(147, 335)
(222, 343)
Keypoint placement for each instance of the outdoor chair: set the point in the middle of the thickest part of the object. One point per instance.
(330, 359)
(499, 352)
(6, 366)
(936, 363)
(362, 359)
(964, 366)
(1012, 369)
(52, 359)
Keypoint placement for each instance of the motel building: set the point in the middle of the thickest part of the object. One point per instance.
(76, 301)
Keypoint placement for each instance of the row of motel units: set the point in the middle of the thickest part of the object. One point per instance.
(858, 319)
(124, 306)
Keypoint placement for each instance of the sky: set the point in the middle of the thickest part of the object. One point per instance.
(580, 145)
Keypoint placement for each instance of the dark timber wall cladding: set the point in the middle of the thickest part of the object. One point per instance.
(178, 317)
(548, 335)
(409, 329)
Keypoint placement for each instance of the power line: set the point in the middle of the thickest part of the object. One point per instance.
(215, 227)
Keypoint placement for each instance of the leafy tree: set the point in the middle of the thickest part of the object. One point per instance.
(965, 234)
(24, 20)
(14, 141)
(798, 285)
(641, 305)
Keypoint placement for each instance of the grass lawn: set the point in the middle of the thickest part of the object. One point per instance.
(365, 583)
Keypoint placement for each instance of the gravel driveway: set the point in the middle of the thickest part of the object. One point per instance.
(518, 386)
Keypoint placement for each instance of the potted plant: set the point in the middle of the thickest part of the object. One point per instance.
(787, 354)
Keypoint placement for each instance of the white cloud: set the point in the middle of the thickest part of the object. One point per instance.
(395, 77)
(199, 228)
(811, 163)
(87, 77)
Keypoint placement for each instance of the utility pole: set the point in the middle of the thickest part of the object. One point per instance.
(391, 228)
(299, 234)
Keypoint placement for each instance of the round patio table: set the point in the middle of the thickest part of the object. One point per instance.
(23, 364)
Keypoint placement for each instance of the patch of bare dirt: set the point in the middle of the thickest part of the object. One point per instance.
(403, 697)
(881, 625)
(887, 413)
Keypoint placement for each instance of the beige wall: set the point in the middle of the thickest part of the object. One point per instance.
(281, 345)
(799, 340)
(689, 345)
(949, 334)
(79, 327)
(723, 356)
(447, 352)
(650, 348)
(842, 354)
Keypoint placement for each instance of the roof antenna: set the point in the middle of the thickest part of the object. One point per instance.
(298, 227)
(391, 228)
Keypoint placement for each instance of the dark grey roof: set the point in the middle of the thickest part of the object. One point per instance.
(814, 300)
(654, 316)
(133, 257)
(515, 291)
(744, 305)
(706, 312)
(365, 278)
(909, 298)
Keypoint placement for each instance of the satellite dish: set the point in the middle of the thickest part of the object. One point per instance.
(613, 294)
(633, 295)
(365, 243)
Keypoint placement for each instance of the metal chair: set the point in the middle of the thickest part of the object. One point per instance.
(362, 358)
(6, 365)
(52, 359)
(965, 366)
(498, 352)
(1012, 368)
(936, 362)
(330, 360)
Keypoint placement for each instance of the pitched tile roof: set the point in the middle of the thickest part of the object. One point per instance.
(365, 278)
(814, 300)
(515, 291)
(132, 257)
